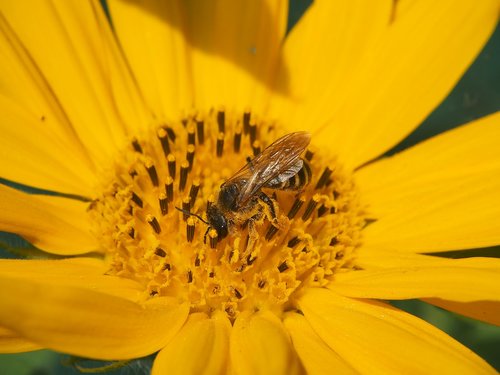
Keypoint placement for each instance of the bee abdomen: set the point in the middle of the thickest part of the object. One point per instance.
(302, 177)
(297, 181)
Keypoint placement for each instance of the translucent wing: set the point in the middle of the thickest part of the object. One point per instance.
(278, 162)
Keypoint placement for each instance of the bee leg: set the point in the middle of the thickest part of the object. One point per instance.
(206, 234)
(271, 206)
(271, 212)
(252, 237)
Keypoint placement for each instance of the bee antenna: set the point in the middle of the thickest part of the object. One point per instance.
(191, 214)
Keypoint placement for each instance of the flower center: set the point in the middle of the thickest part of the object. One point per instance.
(151, 217)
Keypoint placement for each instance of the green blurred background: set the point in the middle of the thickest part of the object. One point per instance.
(477, 94)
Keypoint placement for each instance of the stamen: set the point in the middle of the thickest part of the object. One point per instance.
(221, 121)
(283, 267)
(237, 293)
(137, 147)
(310, 207)
(160, 252)
(171, 133)
(256, 148)
(154, 223)
(190, 229)
(251, 260)
(184, 174)
(197, 260)
(324, 178)
(293, 242)
(253, 132)
(334, 241)
(190, 276)
(271, 232)
(153, 176)
(163, 203)
(246, 121)
(163, 137)
(296, 207)
(261, 284)
(237, 139)
(169, 189)
(171, 165)
(131, 232)
(190, 156)
(200, 128)
(186, 205)
(137, 200)
(220, 144)
(191, 135)
(167, 267)
(193, 192)
(322, 210)
(212, 235)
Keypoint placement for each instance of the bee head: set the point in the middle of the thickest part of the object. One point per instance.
(227, 196)
(217, 221)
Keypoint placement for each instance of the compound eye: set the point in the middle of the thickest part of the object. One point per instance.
(227, 197)
(217, 221)
(222, 227)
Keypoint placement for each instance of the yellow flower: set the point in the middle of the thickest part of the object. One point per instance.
(131, 122)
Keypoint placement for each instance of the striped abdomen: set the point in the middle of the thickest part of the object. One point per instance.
(295, 182)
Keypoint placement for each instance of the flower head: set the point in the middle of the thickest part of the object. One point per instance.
(218, 188)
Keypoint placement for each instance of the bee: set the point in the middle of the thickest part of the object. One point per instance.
(241, 199)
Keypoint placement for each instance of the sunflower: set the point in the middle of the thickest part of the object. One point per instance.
(136, 123)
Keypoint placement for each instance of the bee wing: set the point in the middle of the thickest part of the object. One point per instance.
(280, 161)
(286, 174)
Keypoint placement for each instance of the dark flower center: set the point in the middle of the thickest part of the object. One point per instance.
(152, 213)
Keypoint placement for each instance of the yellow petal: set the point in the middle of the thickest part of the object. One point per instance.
(78, 272)
(439, 195)
(86, 323)
(234, 50)
(375, 338)
(315, 355)
(486, 311)
(373, 259)
(200, 347)
(462, 280)
(11, 342)
(30, 154)
(79, 76)
(260, 345)
(156, 49)
(54, 224)
(397, 80)
(35, 124)
(321, 55)
(131, 107)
